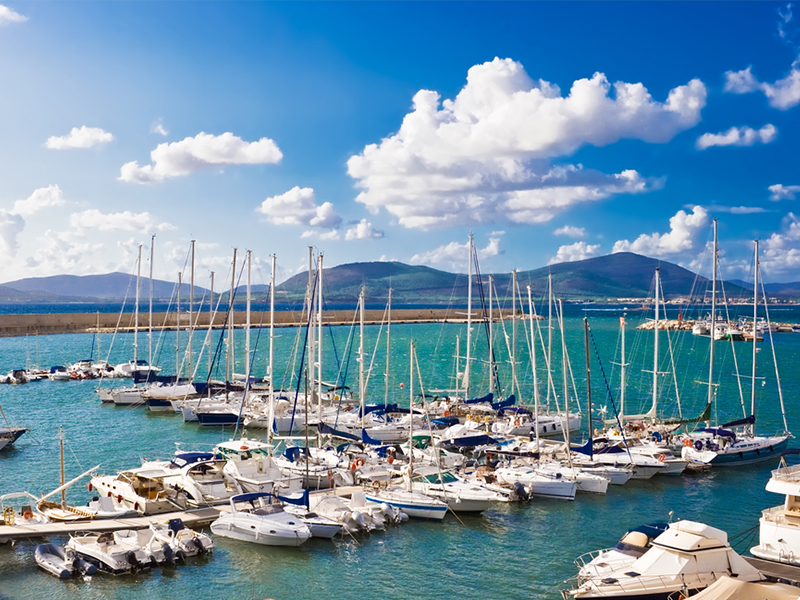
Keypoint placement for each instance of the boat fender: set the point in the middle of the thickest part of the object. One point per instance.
(391, 459)
(27, 515)
(353, 466)
(90, 486)
(660, 458)
(135, 506)
(698, 445)
(8, 515)
(516, 421)
(119, 498)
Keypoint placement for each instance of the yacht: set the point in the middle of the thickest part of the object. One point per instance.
(779, 528)
(260, 519)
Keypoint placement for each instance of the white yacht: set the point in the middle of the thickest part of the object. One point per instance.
(779, 530)
(260, 519)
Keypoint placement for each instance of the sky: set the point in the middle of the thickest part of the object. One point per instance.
(552, 131)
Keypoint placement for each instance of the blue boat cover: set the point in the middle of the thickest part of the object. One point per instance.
(324, 428)
(747, 421)
(510, 401)
(487, 398)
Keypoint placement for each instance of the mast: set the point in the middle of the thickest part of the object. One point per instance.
(247, 321)
(652, 413)
(63, 491)
(755, 319)
(491, 335)
(230, 358)
(531, 315)
(136, 311)
(150, 312)
(210, 325)
(713, 320)
(622, 366)
(513, 329)
(389, 350)
(312, 329)
(549, 330)
(411, 413)
(564, 369)
(178, 330)
(469, 320)
(361, 353)
(271, 350)
(191, 312)
(319, 346)
(588, 381)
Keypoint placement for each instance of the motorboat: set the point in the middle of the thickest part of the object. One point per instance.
(356, 514)
(158, 551)
(183, 541)
(631, 546)
(779, 527)
(537, 482)
(9, 435)
(686, 558)
(61, 562)
(143, 489)
(414, 504)
(251, 466)
(27, 514)
(728, 588)
(458, 494)
(200, 476)
(103, 551)
(58, 373)
(259, 518)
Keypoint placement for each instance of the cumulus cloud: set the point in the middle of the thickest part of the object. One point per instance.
(783, 94)
(11, 225)
(298, 206)
(62, 252)
(122, 221)
(570, 231)
(573, 252)
(738, 136)
(158, 127)
(783, 192)
(485, 156)
(363, 230)
(200, 152)
(735, 210)
(455, 255)
(40, 198)
(8, 15)
(781, 251)
(684, 228)
(83, 137)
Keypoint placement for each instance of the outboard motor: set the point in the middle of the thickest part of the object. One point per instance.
(130, 556)
(521, 492)
(167, 550)
(199, 545)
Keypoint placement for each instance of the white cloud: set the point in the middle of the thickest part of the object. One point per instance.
(83, 137)
(738, 136)
(158, 127)
(363, 230)
(123, 221)
(455, 255)
(783, 94)
(8, 15)
(11, 225)
(781, 252)
(298, 207)
(570, 231)
(39, 199)
(681, 238)
(573, 252)
(783, 192)
(485, 156)
(200, 152)
(58, 253)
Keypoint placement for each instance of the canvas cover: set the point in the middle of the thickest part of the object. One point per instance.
(727, 588)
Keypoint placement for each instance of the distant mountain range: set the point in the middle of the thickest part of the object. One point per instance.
(604, 278)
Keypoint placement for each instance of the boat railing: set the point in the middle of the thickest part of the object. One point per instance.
(781, 516)
(636, 583)
(787, 473)
(584, 559)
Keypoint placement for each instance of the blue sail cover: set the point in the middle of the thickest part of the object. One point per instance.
(510, 401)
(324, 428)
(586, 449)
(369, 440)
(301, 500)
(747, 421)
(515, 410)
(719, 431)
(487, 398)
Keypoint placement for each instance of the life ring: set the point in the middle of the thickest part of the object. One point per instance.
(516, 421)
(447, 413)
(27, 515)
(360, 462)
(661, 458)
(8, 515)
(687, 443)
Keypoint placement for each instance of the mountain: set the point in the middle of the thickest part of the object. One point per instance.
(67, 288)
(779, 290)
(610, 277)
(620, 275)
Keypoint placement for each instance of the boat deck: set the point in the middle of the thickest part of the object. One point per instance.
(774, 571)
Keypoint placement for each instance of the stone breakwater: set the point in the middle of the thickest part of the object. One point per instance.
(42, 324)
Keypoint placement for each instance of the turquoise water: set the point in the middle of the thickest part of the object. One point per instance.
(515, 551)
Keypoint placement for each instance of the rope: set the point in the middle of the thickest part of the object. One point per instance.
(608, 389)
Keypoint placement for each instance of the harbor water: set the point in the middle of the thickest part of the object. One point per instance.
(520, 550)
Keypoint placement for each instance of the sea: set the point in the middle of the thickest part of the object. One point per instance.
(523, 550)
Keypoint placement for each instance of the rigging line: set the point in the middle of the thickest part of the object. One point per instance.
(249, 373)
(733, 349)
(312, 296)
(341, 380)
(375, 349)
(774, 357)
(610, 394)
(486, 324)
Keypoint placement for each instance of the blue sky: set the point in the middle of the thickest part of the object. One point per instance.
(389, 130)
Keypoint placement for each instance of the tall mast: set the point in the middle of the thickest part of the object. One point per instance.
(513, 329)
(564, 369)
(411, 413)
(361, 353)
(549, 330)
(191, 312)
(622, 366)
(491, 335)
(178, 329)
(652, 412)
(469, 320)
(229, 362)
(136, 311)
(271, 348)
(210, 324)
(312, 329)
(63, 491)
(713, 318)
(389, 348)
(755, 318)
(247, 317)
(531, 315)
(319, 345)
(150, 311)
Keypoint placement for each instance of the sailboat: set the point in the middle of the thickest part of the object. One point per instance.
(725, 446)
